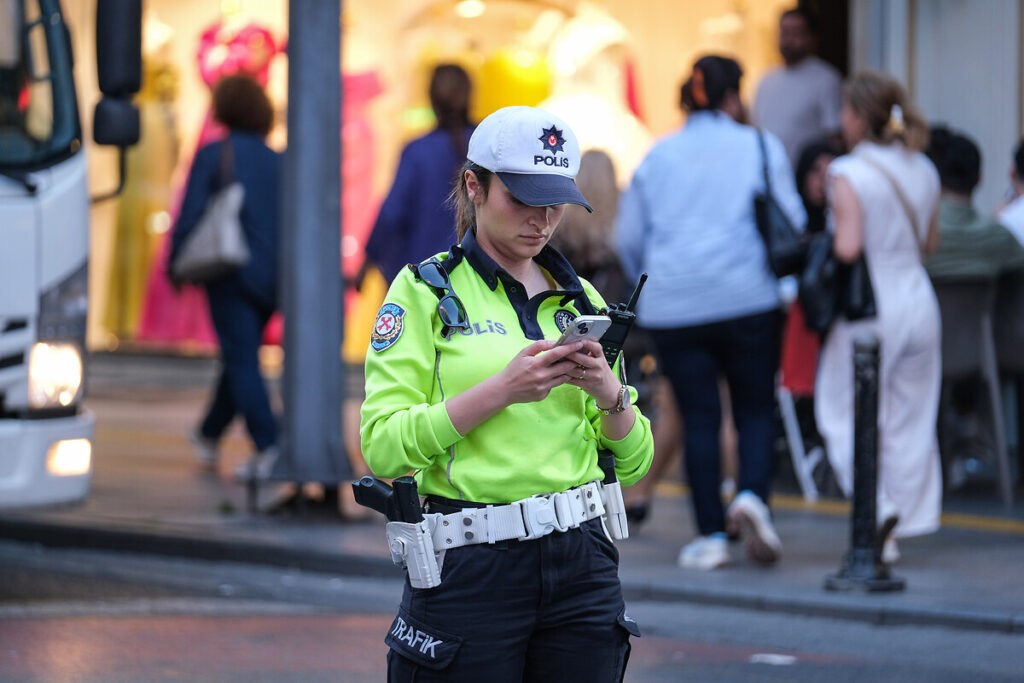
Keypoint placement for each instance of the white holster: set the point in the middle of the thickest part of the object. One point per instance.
(411, 547)
(614, 511)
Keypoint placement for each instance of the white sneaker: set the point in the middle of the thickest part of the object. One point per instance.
(751, 515)
(258, 467)
(207, 451)
(705, 552)
(890, 551)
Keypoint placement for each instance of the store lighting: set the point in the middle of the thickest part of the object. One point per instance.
(565, 68)
(722, 25)
(158, 223)
(524, 59)
(470, 9)
(70, 457)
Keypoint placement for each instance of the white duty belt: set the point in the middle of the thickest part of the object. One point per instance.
(523, 520)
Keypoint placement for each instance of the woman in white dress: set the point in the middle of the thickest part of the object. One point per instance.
(884, 198)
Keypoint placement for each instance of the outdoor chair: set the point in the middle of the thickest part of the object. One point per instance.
(804, 460)
(796, 378)
(1008, 322)
(968, 350)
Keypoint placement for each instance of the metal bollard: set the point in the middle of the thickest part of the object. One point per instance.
(862, 567)
(252, 495)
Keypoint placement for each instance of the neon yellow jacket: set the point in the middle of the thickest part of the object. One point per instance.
(527, 448)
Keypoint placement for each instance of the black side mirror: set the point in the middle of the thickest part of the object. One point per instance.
(115, 122)
(119, 68)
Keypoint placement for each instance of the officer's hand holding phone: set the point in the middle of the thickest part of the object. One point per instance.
(592, 374)
(599, 382)
(529, 376)
(536, 370)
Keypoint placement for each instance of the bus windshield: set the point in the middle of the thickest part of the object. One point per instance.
(38, 111)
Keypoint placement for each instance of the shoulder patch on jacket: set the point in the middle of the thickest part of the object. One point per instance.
(388, 326)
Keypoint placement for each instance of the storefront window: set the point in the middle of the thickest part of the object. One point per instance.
(612, 72)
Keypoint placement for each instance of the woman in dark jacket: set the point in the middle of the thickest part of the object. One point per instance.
(241, 302)
(415, 220)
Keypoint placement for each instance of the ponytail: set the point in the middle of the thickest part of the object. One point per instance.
(888, 113)
(713, 78)
(450, 90)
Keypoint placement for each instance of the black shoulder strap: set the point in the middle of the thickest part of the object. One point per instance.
(455, 256)
(764, 161)
(227, 163)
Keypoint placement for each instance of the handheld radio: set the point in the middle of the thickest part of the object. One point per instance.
(623, 317)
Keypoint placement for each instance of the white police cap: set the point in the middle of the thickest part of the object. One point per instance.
(534, 153)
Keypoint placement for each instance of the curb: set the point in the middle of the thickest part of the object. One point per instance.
(221, 550)
(972, 620)
(351, 564)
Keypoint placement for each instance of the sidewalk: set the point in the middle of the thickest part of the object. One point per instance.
(149, 496)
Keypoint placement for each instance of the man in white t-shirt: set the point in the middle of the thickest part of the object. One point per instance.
(1012, 215)
(800, 101)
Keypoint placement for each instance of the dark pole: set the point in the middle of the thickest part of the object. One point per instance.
(311, 253)
(862, 566)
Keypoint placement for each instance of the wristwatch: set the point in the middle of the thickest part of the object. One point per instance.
(623, 403)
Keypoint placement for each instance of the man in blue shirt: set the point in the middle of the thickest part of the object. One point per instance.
(711, 303)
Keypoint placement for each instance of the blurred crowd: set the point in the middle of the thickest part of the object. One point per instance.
(721, 339)
(856, 160)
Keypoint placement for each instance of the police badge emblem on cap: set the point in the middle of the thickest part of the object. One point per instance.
(534, 152)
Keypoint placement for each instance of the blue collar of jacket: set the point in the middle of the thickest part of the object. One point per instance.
(708, 117)
(549, 258)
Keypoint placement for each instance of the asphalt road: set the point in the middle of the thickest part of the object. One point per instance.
(72, 615)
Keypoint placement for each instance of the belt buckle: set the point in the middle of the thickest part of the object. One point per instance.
(538, 517)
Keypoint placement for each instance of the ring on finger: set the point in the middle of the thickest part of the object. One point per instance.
(584, 375)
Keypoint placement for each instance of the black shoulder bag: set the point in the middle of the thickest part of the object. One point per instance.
(829, 287)
(785, 246)
(818, 291)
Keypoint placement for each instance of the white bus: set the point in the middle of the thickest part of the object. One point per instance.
(45, 434)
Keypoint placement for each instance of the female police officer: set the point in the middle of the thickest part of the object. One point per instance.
(465, 386)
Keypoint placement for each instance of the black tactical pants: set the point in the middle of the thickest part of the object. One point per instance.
(546, 609)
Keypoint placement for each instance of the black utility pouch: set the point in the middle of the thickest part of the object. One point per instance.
(420, 643)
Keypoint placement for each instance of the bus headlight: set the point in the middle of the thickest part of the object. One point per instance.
(54, 375)
(69, 457)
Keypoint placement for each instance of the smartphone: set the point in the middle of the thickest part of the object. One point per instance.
(585, 327)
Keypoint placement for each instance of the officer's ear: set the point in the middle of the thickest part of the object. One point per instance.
(473, 187)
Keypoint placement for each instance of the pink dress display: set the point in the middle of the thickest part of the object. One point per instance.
(170, 318)
(358, 206)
